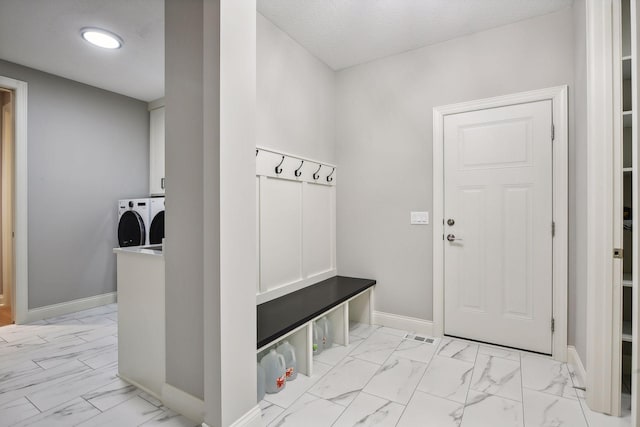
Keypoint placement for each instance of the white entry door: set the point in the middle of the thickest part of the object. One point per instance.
(498, 225)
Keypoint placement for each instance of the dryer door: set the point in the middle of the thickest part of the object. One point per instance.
(131, 231)
(156, 230)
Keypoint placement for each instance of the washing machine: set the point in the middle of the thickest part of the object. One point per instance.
(156, 217)
(133, 222)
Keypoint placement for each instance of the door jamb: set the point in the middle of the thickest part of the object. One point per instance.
(558, 95)
(20, 304)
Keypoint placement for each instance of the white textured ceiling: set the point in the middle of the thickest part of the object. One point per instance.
(45, 34)
(343, 33)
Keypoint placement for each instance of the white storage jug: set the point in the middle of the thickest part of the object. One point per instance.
(275, 372)
(317, 339)
(289, 353)
(327, 332)
(261, 384)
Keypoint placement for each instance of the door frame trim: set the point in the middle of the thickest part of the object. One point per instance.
(20, 222)
(559, 98)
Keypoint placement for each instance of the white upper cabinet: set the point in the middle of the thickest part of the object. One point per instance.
(156, 148)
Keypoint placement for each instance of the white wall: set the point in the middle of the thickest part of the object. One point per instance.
(238, 261)
(295, 96)
(210, 235)
(578, 184)
(384, 143)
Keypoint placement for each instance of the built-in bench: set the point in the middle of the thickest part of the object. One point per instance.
(341, 299)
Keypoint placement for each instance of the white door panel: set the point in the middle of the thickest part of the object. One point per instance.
(317, 229)
(498, 191)
(280, 233)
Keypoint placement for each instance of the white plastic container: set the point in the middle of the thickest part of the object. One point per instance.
(289, 353)
(326, 328)
(261, 382)
(275, 372)
(317, 339)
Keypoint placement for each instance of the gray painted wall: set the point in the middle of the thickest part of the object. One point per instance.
(295, 96)
(384, 143)
(184, 195)
(87, 148)
(578, 184)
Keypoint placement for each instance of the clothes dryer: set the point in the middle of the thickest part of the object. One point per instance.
(156, 227)
(133, 222)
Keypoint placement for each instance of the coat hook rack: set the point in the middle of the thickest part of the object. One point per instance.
(257, 152)
(316, 174)
(297, 172)
(278, 168)
(329, 177)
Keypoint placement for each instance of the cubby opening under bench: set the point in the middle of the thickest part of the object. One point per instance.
(290, 317)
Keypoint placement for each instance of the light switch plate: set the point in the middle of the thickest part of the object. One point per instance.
(419, 218)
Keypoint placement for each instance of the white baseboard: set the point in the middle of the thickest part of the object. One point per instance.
(140, 386)
(578, 368)
(183, 403)
(253, 418)
(404, 323)
(55, 310)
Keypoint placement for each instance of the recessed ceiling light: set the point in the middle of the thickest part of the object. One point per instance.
(101, 38)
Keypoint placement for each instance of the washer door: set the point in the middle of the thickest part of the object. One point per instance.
(156, 230)
(131, 231)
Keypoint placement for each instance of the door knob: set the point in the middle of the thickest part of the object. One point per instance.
(450, 222)
(452, 238)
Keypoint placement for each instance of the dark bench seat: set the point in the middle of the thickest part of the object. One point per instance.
(284, 314)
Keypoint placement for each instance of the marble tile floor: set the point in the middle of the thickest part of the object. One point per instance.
(383, 380)
(63, 372)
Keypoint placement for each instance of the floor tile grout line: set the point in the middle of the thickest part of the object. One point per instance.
(573, 383)
(66, 401)
(344, 409)
(584, 414)
(380, 366)
(307, 391)
(435, 352)
(91, 403)
(34, 405)
(499, 357)
(295, 401)
(464, 405)
(383, 364)
(552, 394)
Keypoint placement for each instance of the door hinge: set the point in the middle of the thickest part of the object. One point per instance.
(618, 253)
(553, 132)
(553, 229)
(553, 324)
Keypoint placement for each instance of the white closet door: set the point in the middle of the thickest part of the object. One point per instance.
(498, 245)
